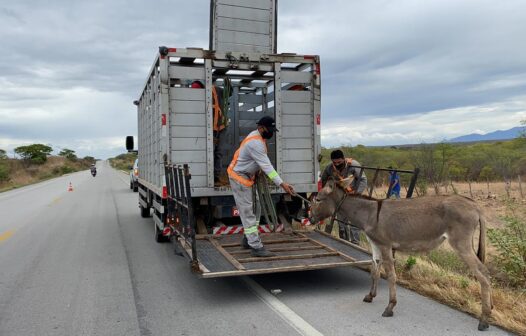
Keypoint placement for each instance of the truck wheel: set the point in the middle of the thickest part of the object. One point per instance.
(158, 234)
(135, 187)
(131, 185)
(145, 212)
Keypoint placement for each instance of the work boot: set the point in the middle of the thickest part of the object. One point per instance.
(244, 243)
(261, 252)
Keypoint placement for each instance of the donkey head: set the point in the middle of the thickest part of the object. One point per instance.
(326, 201)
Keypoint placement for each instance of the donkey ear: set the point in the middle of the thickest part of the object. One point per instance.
(345, 183)
(329, 186)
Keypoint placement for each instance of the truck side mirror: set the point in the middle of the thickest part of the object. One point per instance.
(129, 143)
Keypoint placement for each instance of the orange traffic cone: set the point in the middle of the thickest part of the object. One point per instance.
(70, 188)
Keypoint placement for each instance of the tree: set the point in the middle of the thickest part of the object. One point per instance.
(36, 153)
(68, 154)
(3, 154)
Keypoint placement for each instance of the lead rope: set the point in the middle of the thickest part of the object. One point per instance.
(265, 199)
(328, 227)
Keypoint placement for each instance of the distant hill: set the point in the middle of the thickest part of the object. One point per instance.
(511, 133)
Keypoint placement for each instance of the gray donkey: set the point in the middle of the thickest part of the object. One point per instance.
(412, 225)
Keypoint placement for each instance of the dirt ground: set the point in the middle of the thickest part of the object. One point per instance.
(492, 196)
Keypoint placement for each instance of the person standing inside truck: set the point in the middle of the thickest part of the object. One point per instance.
(249, 159)
(219, 124)
(341, 168)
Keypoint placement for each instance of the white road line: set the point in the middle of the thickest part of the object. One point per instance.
(287, 314)
(118, 175)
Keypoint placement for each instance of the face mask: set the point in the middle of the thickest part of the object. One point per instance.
(340, 166)
(267, 134)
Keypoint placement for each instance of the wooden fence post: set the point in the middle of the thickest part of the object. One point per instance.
(520, 187)
(470, 191)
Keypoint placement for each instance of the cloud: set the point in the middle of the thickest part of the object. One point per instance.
(428, 127)
(70, 70)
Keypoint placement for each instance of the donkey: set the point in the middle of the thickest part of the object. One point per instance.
(412, 225)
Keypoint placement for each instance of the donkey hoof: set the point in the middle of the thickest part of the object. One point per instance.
(387, 313)
(368, 298)
(483, 326)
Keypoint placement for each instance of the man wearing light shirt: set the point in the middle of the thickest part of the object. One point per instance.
(250, 158)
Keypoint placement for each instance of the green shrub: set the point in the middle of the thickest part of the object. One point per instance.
(510, 242)
(4, 172)
(447, 260)
(66, 169)
(464, 283)
(410, 262)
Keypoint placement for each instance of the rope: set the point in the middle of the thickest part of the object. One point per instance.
(265, 199)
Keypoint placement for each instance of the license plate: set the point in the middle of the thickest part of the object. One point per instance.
(235, 212)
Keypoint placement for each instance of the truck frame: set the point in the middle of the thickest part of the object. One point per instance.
(176, 123)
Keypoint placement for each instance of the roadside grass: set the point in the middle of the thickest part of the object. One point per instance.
(123, 161)
(462, 291)
(20, 173)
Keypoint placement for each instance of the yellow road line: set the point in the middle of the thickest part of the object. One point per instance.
(6, 235)
(55, 201)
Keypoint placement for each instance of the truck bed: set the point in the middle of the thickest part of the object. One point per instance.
(223, 256)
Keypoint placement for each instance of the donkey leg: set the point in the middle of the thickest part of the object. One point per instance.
(375, 271)
(480, 271)
(389, 268)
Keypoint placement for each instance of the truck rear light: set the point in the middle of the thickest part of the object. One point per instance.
(167, 231)
(318, 119)
(317, 68)
(319, 185)
(136, 172)
(163, 119)
(165, 192)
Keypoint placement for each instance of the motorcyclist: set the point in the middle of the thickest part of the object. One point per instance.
(93, 169)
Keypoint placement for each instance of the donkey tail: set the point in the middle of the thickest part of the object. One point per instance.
(481, 253)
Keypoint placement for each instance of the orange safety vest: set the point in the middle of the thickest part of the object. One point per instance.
(348, 161)
(235, 176)
(219, 125)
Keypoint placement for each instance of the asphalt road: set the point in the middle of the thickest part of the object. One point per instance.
(85, 263)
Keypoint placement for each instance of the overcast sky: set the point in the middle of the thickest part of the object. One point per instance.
(393, 72)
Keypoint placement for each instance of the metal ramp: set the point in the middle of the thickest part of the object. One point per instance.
(214, 256)
(223, 256)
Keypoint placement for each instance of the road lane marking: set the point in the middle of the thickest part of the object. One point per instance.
(6, 235)
(55, 201)
(287, 314)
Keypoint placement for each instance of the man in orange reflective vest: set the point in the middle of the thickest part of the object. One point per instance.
(248, 160)
(340, 168)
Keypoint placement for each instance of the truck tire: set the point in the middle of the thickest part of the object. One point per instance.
(158, 235)
(145, 212)
(131, 185)
(135, 187)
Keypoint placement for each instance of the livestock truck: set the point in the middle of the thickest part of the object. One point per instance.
(176, 157)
